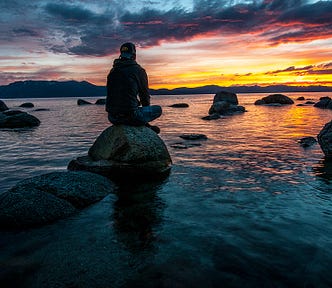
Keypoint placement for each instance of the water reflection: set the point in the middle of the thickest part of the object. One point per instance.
(137, 214)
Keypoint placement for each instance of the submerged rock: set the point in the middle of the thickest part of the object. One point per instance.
(83, 102)
(193, 136)
(27, 105)
(275, 98)
(49, 197)
(3, 106)
(307, 141)
(41, 109)
(183, 145)
(17, 119)
(126, 151)
(325, 139)
(213, 116)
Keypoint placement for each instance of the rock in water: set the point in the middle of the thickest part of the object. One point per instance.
(126, 150)
(307, 141)
(324, 103)
(27, 105)
(275, 98)
(325, 139)
(23, 209)
(49, 197)
(224, 103)
(17, 119)
(100, 102)
(179, 105)
(3, 106)
(229, 97)
(83, 102)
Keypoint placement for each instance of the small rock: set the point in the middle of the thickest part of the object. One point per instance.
(100, 102)
(301, 98)
(179, 146)
(3, 106)
(27, 105)
(190, 136)
(17, 119)
(83, 102)
(41, 109)
(179, 105)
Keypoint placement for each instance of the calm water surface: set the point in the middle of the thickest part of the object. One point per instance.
(248, 207)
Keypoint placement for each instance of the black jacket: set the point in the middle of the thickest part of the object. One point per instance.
(126, 81)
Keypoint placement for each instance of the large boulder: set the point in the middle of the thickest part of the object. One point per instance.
(224, 103)
(3, 106)
(219, 107)
(49, 197)
(126, 150)
(275, 99)
(229, 97)
(325, 139)
(17, 119)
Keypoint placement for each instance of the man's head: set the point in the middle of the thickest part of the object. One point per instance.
(128, 51)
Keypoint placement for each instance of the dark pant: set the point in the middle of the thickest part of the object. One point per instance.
(139, 117)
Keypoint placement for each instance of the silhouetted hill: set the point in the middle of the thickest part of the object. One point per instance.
(48, 89)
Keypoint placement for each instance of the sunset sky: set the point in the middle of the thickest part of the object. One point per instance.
(180, 43)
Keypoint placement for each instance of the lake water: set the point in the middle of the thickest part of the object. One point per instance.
(248, 207)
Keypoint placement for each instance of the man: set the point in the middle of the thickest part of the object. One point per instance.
(126, 82)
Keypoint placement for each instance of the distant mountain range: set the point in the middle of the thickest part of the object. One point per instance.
(49, 89)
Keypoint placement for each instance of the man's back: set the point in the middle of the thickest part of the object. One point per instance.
(125, 82)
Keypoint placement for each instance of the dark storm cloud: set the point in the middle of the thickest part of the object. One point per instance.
(74, 27)
(272, 19)
(25, 32)
(69, 13)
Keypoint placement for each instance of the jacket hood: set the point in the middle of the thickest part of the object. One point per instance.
(123, 62)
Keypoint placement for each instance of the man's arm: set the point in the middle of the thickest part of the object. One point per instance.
(143, 93)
